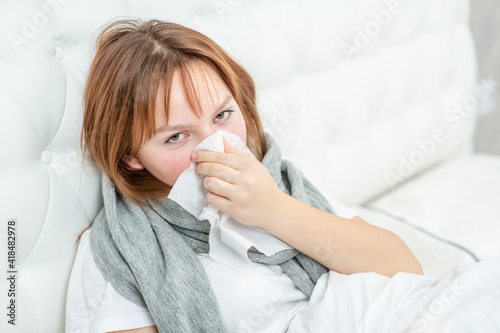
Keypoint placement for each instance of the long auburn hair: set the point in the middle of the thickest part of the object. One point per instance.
(133, 57)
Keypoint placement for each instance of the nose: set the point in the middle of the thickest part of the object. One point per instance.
(206, 132)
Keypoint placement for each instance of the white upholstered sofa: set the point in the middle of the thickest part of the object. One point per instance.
(378, 97)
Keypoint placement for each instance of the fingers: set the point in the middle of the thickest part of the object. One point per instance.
(231, 157)
(217, 170)
(219, 187)
(219, 202)
(227, 176)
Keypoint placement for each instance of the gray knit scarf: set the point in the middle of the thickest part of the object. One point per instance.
(149, 253)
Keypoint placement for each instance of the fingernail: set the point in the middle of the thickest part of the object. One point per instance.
(194, 155)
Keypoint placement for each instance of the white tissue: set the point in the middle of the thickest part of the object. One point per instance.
(229, 240)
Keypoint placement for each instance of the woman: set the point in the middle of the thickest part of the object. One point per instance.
(156, 91)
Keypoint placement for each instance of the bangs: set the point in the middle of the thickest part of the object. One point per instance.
(193, 76)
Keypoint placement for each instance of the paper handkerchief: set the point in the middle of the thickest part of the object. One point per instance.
(229, 240)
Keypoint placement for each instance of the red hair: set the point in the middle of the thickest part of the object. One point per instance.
(132, 59)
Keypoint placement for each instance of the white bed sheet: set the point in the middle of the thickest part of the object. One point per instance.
(463, 299)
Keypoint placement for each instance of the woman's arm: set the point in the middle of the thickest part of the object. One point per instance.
(346, 246)
(242, 187)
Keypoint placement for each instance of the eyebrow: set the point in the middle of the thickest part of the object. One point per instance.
(166, 128)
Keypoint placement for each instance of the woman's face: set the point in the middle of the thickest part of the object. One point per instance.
(168, 153)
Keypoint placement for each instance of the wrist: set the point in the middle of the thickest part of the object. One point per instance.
(279, 204)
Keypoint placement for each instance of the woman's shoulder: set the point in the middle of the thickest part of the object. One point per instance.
(86, 287)
(84, 266)
(86, 281)
(92, 302)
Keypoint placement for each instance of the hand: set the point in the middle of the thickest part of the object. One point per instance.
(238, 185)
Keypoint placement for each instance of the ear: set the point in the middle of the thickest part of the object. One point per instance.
(133, 162)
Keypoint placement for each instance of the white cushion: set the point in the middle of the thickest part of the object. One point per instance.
(447, 216)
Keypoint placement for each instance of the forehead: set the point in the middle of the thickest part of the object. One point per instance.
(194, 88)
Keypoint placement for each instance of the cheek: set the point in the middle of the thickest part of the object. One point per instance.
(163, 163)
(242, 133)
(239, 129)
(176, 164)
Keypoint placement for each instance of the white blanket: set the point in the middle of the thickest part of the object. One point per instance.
(463, 299)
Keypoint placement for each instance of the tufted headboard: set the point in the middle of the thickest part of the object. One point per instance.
(357, 89)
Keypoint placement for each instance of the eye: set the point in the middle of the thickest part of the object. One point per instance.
(223, 115)
(175, 138)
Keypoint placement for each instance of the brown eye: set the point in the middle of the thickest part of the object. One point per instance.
(175, 138)
(223, 115)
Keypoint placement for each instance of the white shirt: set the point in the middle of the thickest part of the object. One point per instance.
(260, 299)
